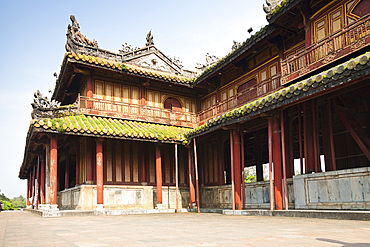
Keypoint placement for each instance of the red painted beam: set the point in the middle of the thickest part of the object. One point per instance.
(352, 131)
(53, 169)
(158, 173)
(99, 172)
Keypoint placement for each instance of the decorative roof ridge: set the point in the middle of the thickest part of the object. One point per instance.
(267, 29)
(129, 68)
(295, 89)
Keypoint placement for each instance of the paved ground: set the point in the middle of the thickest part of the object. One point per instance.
(185, 229)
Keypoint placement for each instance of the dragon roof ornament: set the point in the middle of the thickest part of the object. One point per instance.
(271, 4)
(74, 32)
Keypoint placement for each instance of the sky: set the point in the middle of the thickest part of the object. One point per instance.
(33, 37)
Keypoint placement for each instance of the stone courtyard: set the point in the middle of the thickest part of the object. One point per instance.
(184, 229)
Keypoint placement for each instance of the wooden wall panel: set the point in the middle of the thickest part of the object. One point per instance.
(135, 162)
(117, 146)
(109, 161)
(127, 161)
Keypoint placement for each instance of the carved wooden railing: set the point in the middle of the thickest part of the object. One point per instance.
(261, 89)
(352, 38)
(146, 113)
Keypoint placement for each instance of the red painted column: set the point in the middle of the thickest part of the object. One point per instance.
(191, 185)
(232, 169)
(53, 169)
(78, 163)
(158, 173)
(308, 139)
(283, 146)
(38, 187)
(42, 180)
(89, 162)
(29, 190)
(237, 170)
(270, 141)
(242, 167)
(196, 173)
(331, 137)
(177, 178)
(276, 155)
(89, 94)
(99, 172)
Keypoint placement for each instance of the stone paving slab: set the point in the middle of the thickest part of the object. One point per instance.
(183, 229)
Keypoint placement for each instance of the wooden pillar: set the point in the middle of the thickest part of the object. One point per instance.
(99, 172)
(316, 145)
(232, 169)
(191, 175)
(284, 157)
(142, 162)
(237, 169)
(42, 179)
(53, 169)
(308, 139)
(158, 173)
(242, 167)
(331, 136)
(270, 162)
(196, 173)
(38, 185)
(89, 162)
(89, 89)
(276, 153)
(78, 163)
(300, 138)
(259, 166)
(177, 178)
(66, 172)
(29, 179)
(33, 187)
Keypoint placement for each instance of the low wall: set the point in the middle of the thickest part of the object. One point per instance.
(257, 195)
(343, 189)
(83, 197)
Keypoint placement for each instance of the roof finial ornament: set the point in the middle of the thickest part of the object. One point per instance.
(149, 39)
(74, 29)
(271, 4)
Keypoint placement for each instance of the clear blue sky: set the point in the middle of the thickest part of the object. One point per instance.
(33, 35)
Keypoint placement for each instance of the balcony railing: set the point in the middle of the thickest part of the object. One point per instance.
(352, 38)
(146, 113)
(241, 98)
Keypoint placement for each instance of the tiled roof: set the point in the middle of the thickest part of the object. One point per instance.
(105, 127)
(235, 53)
(271, 100)
(129, 68)
(280, 8)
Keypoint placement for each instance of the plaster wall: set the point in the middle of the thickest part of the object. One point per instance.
(343, 189)
(83, 197)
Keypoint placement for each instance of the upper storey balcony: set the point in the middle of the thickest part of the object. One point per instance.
(115, 109)
(346, 41)
(249, 94)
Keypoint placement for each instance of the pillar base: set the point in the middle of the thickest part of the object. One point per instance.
(89, 182)
(99, 209)
(54, 207)
(44, 207)
(159, 206)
